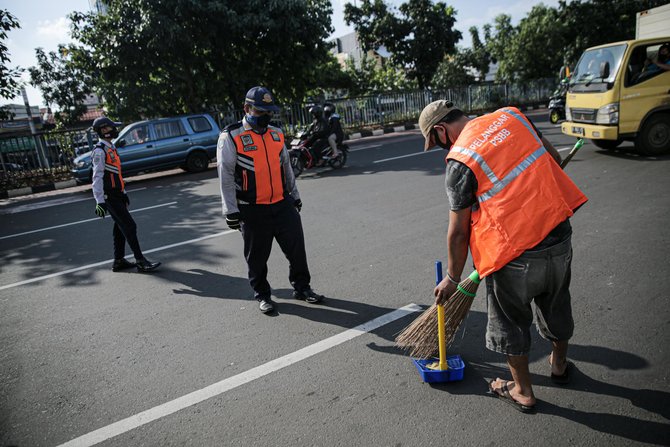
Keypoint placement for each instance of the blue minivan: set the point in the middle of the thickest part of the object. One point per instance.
(187, 141)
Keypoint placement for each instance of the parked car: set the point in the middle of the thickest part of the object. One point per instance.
(187, 141)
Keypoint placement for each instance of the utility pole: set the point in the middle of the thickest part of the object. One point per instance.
(38, 147)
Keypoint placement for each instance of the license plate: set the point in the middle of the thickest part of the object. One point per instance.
(578, 130)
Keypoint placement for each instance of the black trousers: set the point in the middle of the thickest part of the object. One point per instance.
(261, 224)
(125, 228)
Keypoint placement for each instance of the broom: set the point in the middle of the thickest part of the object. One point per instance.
(420, 338)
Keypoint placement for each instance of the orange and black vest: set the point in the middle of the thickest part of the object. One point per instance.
(522, 193)
(259, 173)
(113, 179)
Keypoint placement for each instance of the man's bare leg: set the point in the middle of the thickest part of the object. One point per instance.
(559, 357)
(521, 389)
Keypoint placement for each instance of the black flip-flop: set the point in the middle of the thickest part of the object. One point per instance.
(563, 379)
(505, 396)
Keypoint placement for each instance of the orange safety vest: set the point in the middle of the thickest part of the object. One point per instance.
(112, 179)
(259, 174)
(522, 193)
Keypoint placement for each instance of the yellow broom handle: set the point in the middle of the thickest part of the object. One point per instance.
(441, 337)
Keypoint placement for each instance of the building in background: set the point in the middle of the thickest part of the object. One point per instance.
(348, 48)
(98, 6)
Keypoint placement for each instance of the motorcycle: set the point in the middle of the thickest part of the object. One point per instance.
(302, 158)
(557, 103)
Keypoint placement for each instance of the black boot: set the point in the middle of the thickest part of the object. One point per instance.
(144, 265)
(122, 264)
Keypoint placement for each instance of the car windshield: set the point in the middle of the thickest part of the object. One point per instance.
(587, 72)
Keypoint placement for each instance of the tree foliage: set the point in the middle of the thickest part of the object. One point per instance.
(418, 38)
(548, 38)
(589, 23)
(371, 76)
(453, 72)
(9, 77)
(62, 82)
(151, 58)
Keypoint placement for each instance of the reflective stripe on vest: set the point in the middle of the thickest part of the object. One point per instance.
(113, 179)
(259, 174)
(522, 193)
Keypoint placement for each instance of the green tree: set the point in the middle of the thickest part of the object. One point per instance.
(498, 38)
(62, 82)
(478, 56)
(371, 76)
(151, 58)
(453, 72)
(9, 77)
(532, 53)
(410, 37)
(589, 23)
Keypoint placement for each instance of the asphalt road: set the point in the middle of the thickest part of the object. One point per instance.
(184, 357)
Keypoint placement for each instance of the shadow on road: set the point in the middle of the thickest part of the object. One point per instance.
(479, 369)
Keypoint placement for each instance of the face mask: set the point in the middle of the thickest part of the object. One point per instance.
(111, 134)
(260, 122)
(442, 137)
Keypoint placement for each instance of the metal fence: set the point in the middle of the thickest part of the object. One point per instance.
(25, 160)
(387, 109)
(29, 159)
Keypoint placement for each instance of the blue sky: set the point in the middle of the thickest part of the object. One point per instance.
(44, 24)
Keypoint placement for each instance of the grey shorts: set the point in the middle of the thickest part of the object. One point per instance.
(536, 281)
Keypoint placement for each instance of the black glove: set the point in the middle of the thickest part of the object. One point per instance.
(101, 209)
(298, 205)
(233, 221)
(126, 199)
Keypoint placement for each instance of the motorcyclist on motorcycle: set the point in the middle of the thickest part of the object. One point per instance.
(336, 135)
(317, 134)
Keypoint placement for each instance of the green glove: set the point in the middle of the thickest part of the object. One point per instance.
(101, 209)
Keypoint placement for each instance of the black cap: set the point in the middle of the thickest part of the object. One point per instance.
(261, 99)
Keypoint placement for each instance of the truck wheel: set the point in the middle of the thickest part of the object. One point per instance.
(654, 139)
(607, 144)
(197, 162)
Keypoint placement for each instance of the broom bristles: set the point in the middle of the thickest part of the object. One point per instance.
(420, 338)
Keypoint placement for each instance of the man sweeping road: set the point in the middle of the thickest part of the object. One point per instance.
(509, 205)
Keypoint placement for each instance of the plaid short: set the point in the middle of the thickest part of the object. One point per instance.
(536, 281)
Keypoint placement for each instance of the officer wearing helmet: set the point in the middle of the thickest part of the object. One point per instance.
(260, 197)
(317, 134)
(110, 197)
(336, 135)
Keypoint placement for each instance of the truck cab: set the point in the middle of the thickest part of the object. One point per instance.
(617, 93)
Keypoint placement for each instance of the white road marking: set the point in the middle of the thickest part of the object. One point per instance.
(160, 411)
(80, 221)
(564, 149)
(370, 146)
(46, 204)
(402, 156)
(108, 261)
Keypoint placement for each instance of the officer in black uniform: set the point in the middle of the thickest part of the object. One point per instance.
(110, 197)
(260, 197)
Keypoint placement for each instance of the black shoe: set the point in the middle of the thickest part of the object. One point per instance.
(308, 295)
(144, 265)
(122, 264)
(266, 305)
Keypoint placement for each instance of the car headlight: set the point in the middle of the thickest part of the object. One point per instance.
(568, 114)
(608, 114)
(81, 164)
